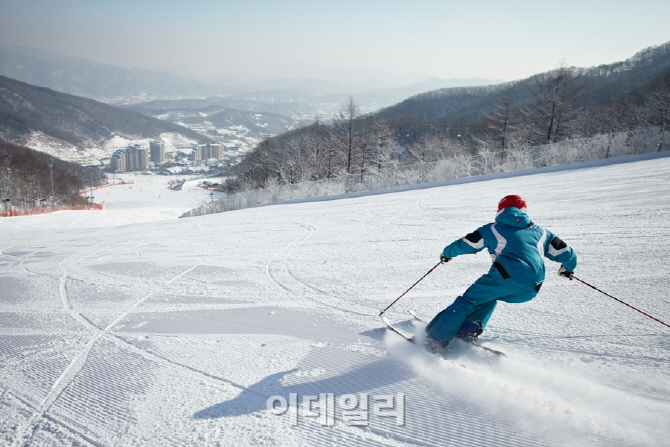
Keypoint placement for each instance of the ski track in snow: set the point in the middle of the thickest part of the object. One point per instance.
(73, 369)
(293, 284)
(176, 332)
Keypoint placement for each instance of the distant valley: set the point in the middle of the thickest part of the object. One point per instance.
(237, 116)
(238, 124)
(77, 129)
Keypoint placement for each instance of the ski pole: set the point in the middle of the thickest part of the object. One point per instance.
(617, 299)
(396, 300)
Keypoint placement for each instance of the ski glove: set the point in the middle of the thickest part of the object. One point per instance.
(443, 259)
(563, 272)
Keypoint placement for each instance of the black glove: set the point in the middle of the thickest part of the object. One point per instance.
(563, 272)
(443, 259)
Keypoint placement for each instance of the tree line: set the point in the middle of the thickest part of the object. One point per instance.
(352, 144)
(26, 179)
(490, 121)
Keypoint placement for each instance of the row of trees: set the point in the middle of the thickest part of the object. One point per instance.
(27, 178)
(491, 121)
(556, 111)
(353, 144)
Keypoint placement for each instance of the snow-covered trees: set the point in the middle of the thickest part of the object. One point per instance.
(551, 113)
(384, 149)
(347, 130)
(501, 121)
(25, 178)
(476, 129)
(351, 146)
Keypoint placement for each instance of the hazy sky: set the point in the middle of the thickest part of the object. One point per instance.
(323, 38)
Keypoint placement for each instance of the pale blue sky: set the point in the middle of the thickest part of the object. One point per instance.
(314, 38)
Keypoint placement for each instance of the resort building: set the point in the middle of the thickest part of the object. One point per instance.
(132, 158)
(157, 151)
(207, 151)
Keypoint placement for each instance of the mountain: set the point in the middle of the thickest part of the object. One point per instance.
(238, 124)
(461, 109)
(219, 123)
(117, 85)
(369, 99)
(296, 110)
(243, 119)
(497, 122)
(107, 83)
(257, 123)
(71, 127)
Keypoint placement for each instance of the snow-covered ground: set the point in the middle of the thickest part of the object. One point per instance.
(128, 326)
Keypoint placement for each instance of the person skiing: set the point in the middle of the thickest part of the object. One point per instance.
(517, 246)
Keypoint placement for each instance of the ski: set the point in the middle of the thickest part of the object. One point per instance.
(411, 339)
(416, 317)
(465, 339)
(396, 330)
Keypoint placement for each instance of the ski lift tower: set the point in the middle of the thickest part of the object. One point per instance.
(51, 165)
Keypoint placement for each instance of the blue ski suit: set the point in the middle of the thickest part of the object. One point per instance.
(517, 247)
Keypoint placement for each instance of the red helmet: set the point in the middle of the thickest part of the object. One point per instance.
(513, 200)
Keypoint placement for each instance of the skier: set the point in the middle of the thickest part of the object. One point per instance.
(516, 245)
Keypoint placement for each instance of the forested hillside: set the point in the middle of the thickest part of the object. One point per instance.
(25, 109)
(546, 107)
(219, 118)
(564, 103)
(25, 178)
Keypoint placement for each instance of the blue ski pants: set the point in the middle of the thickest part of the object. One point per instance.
(477, 304)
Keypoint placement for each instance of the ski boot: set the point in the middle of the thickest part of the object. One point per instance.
(470, 330)
(434, 344)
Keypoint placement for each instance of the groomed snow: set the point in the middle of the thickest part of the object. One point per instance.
(128, 326)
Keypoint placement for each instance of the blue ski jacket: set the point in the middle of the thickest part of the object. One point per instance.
(517, 247)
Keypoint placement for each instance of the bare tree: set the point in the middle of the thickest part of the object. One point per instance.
(316, 142)
(429, 149)
(501, 122)
(290, 165)
(347, 128)
(383, 145)
(550, 113)
(659, 104)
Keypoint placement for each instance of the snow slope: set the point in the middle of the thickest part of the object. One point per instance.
(128, 326)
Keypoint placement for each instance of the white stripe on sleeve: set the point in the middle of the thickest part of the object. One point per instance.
(502, 242)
